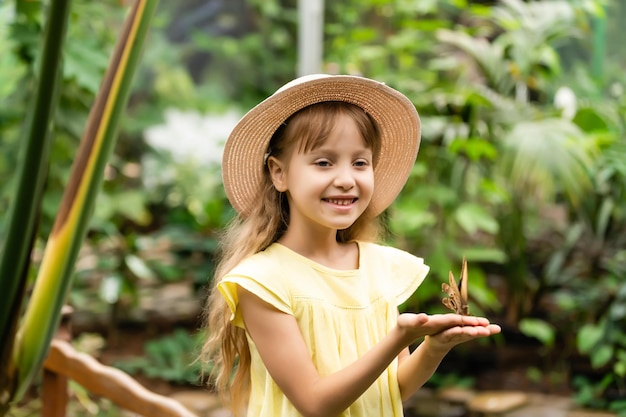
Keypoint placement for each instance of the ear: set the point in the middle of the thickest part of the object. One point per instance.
(278, 173)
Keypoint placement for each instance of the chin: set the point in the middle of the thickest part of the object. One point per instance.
(343, 225)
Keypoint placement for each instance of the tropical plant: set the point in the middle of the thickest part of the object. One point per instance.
(27, 339)
(170, 358)
(498, 156)
(541, 158)
(592, 287)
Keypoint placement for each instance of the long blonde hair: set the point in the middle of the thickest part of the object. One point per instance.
(226, 349)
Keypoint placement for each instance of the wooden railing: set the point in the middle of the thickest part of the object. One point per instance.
(64, 363)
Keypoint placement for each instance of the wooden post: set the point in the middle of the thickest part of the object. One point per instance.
(54, 395)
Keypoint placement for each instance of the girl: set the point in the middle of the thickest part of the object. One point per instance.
(304, 321)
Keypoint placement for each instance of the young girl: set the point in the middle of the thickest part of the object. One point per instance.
(305, 319)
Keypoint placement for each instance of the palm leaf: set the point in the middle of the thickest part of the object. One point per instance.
(541, 158)
(488, 58)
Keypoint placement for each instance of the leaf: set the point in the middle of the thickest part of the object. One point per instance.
(539, 329)
(604, 216)
(110, 288)
(544, 157)
(475, 148)
(617, 310)
(130, 204)
(473, 217)
(85, 63)
(601, 356)
(620, 366)
(588, 337)
(589, 120)
(138, 267)
(71, 223)
(489, 57)
(485, 254)
(22, 219)
(409, 217)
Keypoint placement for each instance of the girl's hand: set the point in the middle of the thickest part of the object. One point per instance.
(448, 338)
(444, 331)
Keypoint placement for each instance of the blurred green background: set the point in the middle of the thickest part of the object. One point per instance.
(522, 167)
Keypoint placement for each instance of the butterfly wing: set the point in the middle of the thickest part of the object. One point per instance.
(463, 282)
(452, 301)
(457, 294)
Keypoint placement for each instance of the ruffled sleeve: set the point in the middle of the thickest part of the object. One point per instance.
(406, 272)
(264, 281)
(415, 272)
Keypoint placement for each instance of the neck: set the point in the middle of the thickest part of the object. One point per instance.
(322, 248)
(311, 244)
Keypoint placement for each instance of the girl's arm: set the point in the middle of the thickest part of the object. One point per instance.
(287, 358)
(414, 369)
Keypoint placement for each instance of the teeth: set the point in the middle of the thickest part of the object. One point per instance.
(339, 202)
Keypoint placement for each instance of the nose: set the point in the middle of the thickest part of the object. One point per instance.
(345, 177)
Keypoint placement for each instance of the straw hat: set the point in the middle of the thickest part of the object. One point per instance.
(395, 115)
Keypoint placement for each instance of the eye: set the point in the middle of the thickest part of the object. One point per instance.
(361, 163)
(322, 163)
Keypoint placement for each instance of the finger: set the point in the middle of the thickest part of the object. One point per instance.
(411, 320)
(494, 329)
(452, 319)
(418, 319)
(482, 331)
(476, 321)
(421, 318)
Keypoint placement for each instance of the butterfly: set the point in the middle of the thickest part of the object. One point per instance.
(457, 295)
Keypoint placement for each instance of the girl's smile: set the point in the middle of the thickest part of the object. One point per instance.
(342, 201)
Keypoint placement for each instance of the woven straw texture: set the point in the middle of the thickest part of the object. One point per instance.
(397, 119)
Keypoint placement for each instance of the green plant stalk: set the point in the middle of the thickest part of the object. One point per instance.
(32, 170)
(56, 272)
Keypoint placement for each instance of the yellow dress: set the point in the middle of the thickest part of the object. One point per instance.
(341, 313)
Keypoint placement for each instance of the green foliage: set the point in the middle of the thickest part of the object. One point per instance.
(440, 380)
(23, 215)
(249, 66)
(497, 155)
(27, 336)
(592, 394)
(533, 196)
(604, 340)
(171, 358)
(539, 329)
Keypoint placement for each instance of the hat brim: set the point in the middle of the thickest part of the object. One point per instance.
(395, 115)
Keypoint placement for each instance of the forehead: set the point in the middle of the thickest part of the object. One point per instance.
(317, 130)
(344, 134)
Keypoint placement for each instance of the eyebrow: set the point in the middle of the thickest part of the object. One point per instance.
(365, 152)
